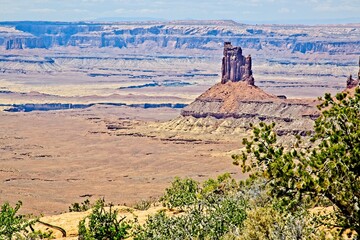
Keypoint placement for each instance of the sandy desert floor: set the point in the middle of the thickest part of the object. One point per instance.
(52, 159)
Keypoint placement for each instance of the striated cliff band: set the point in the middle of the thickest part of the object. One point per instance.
(180, 34)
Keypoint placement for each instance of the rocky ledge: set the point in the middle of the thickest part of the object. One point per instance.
(243, 104)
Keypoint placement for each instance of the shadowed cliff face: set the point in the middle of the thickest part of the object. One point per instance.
(181, 34)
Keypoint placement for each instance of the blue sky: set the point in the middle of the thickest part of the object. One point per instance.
(245, 11)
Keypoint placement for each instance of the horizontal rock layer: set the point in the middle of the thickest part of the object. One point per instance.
(190, 34)
(238, 104)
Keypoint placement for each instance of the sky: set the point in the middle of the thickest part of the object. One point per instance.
(243, 11)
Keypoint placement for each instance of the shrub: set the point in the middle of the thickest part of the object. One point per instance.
(159, 227)
(144, 205)
(209, 212)
(207, 219)
(223, 185)
(80, 207)
(103, 224)
(182, 193)
(11, 223)
(266, 223)
(17, 226)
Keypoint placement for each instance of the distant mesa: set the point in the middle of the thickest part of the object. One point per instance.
(202, 35)
(236, 67)
(166, 83)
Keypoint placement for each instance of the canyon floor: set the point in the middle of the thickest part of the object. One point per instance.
(52, 159)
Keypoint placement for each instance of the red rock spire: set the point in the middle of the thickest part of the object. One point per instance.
(235, 67)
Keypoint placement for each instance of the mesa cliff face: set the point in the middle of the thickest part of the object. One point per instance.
(203, 35)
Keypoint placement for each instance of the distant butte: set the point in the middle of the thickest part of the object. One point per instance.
(237, 99)
(235, 102)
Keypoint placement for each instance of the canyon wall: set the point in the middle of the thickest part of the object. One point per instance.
(181, 34)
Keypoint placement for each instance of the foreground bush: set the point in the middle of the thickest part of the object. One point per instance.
(266, 223)
(17, 226)
(181, 194)
(103, 224)
(210, 211)
(204, 220)
(11, 223)
(80, 207)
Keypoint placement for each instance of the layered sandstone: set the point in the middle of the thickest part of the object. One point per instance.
(203, 35)
(233, 104)
(237, 104)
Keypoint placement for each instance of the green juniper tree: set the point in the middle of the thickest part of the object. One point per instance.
(103, 224)
(17, 226)
(325, 174)
(11, 223)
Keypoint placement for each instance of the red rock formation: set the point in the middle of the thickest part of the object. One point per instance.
(236, 104)
(236, 67)
(352, 83)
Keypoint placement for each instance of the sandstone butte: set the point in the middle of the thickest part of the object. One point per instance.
(237, 97)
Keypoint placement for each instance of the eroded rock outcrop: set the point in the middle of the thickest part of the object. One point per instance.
(351, 82)
(242, 104)
(236, 67)
(14, 44)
